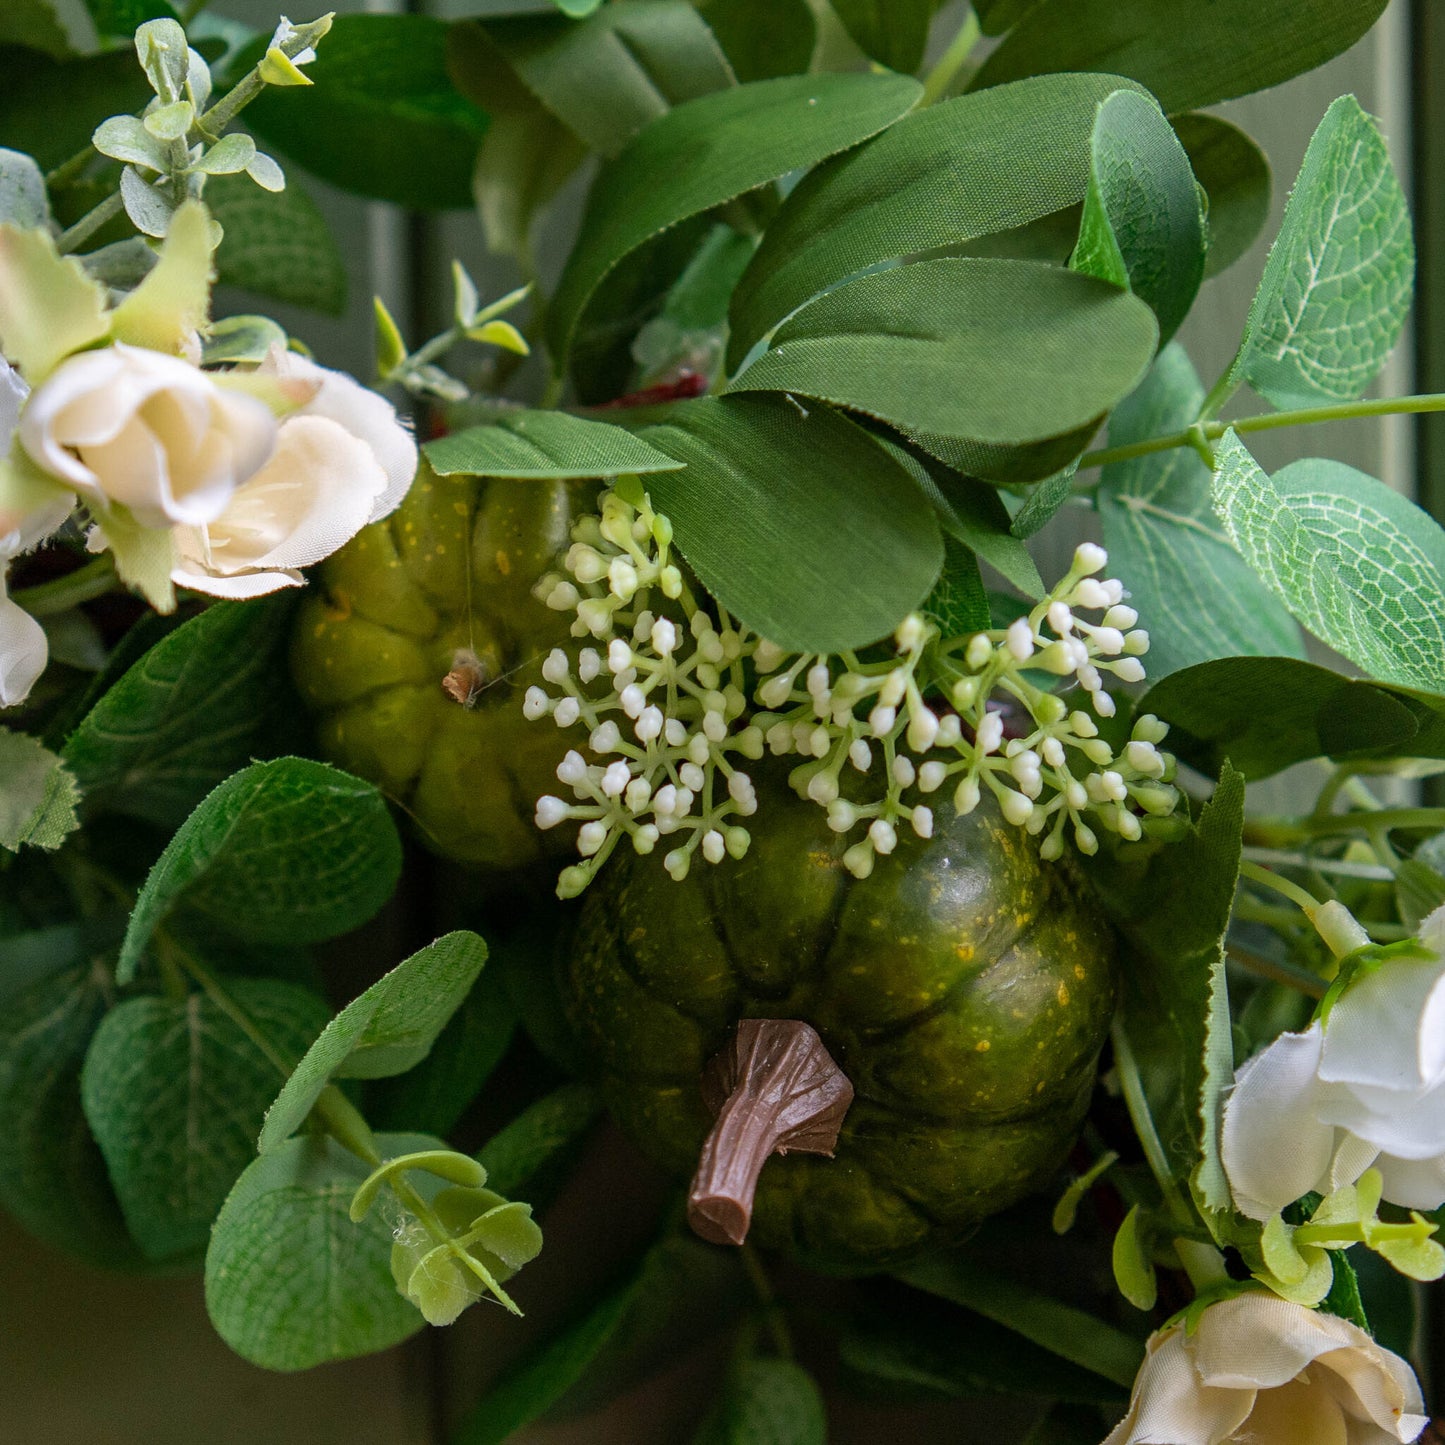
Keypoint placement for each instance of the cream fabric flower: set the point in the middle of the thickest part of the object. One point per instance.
(1316, 1109)
(147, 430)
(1259, 1370)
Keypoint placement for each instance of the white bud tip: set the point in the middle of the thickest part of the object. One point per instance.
(649, 724)
(616, 779)
(1129, 669)
(619, 655)
(567, 712)
(1104, 704)
(1090, 557)
(1015, 807)
(823, 788)
(692, 777)
(990, 733)
(1121, 617)
(1020, 639)
(931, 776)
(676, 864)
(1061, 619)
(841, 815)
(644, 840)
(818, 679)
(882, 835)
(535, 704)
(605, 737)
(664, 637)
(572, 770)
(978, 651)
(590, 837)
(713, 847)
(881, 720)
(858, 860)
(922, 729)
(633, 700)
(909, 636)
(588, 664)
(860, 755)
(550, 811)
(904, 773)
(554, 669)
(966, 796)
(922, 821)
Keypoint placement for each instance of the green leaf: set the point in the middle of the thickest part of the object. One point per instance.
(1419, 890)
(958, 603)
(1142, 226)
(285, 852)
(58, 27)
(175, 1091)
(1189, 55)
(1133, 1269)
(709, 151)
(52, 1176)
(892, 32)
(1266, 713)
(515, 1155)
(186, 714)
(122, 18)
(763, 38)
(291, 1282)
(277, 244)
(1337, 286)
(1172, 912)
(23, 201)
(796, 520)
(1358, 565)
(996, 16)
(951, 173)
(49, 108)
(1195, 595)
(1061, 1329)
(386, 1030)
(1043, 503)
(609, 77)
(1235, 175)
(767, 1402)
(38, 794)
(382, 117)
(1001, 352)
(544, 444)
(525, 158)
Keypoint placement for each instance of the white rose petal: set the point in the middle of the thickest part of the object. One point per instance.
(1403, 1000)
(23, 650)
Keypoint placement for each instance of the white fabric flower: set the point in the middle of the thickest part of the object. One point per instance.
(1259, 1369)
(1316, 1109)
(147, 430)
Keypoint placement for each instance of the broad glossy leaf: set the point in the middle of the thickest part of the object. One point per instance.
(386, 1030)
(767, 1402)
(892, 32)
(611, 75)
(1001, 352)
(544, 444)
(1235, 175)
(175, 1092)
(1338, 282)
(382, 118)
(1266, 713)
(797, 521)
(1357, 564)
(763, 38)
(290, 851)
(1194, 593)
(38, 794)
(291, 1282)
(954, 172)
(1008, 465)
(709, 151)
(277, 244)
(1142, 226)
(1172, 914)
(1190, 53)
(186, 714)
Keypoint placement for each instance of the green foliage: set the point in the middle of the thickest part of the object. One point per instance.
(1042, 504)
(1356, 563)
(38, 794)
(1236, 178)
(387, 1030)
(382, 117)
(542, 444)
(1002, 352)
(185, 714)
(941, 176)
(284, 852)
(1142, 227)
(23, 201)
(60, 28)
(1200, 597)
(1189, 55)
(1339, 279)
(175, 1091)
(291, 1280)
(49, 108)
(958, 603)
(767, 1402)
(514, 1156)
(892, 32)
(711, 151)
(797, 521)
(763, 38)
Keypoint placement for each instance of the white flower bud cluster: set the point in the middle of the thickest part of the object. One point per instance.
(662, 689)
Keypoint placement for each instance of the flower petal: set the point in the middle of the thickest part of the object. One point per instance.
(24, 649)
(1257, 1340)
(1388, 1030)
(1392, 1121)
(1297, 1414)
(1274, 1146)
(238, 588)
(1413, 1183)
(1171, 1406)
(1373, 1383)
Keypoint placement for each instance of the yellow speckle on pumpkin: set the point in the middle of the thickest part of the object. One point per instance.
(1062, 994)
(504, 563)
(964, 952)
(1080, 972)
(982, 1046)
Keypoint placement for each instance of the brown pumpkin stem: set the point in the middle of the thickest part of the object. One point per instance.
(773, 1089)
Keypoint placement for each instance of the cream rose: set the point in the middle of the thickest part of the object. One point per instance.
(146, 430)
(1258, 1369)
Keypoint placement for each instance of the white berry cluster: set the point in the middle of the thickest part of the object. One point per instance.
(674, 694)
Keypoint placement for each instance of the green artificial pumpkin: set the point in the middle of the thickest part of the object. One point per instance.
(964, 988)
(415, 646)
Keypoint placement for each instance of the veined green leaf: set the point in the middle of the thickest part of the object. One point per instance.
(38, 794)
(796, 520)
(709, 151)
(175, 1092)
(958, 603)
(1338, 282)
(1142, 226)
(1042, 505)
(291, 1282)
(1000, 352)
(767, 1402)
(1189, 54)
(291, 851)
(892, 32)
(1195, 595)
(386, 1030)
(544, 444)
(1358, 565)
(1235, 175)
(954, 172)
(763, 38)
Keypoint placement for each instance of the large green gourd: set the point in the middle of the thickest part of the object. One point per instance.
(445, 578)
(965, 989)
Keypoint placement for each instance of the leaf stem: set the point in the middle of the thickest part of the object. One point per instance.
(85, 584)
(943, 74)
(1266, 878)
(89, 224)
(772, 1312)
(1143, 1121)
(1288, 974)
(1283, 831)
(1266, 421)
(211, 986)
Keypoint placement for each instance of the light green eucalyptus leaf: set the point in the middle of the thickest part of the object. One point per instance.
(23, 199)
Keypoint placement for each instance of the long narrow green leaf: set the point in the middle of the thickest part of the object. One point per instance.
(536, 444)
